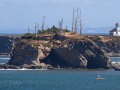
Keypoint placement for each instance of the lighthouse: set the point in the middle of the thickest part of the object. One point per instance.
(115, 31)
(117, 27)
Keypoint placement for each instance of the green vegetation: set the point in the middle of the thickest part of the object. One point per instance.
(49, 31)
(52, 30)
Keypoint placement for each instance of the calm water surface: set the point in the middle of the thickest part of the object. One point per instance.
(59, 80)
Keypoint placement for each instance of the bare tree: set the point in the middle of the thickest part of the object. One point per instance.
(66, 27)
(46, 29)
(76, 20)
(61, 25)
(35, 30)
(73, 19)
(43, 23)
(80, 22)
(28, 29)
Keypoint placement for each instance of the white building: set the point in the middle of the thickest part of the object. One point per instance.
(115, 31)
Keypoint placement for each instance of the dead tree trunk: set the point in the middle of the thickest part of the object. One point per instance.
(76, 20)
(73, 19)
(80, 22)
(28, 29)
(61, 25)
(35, 31)
(43, 23)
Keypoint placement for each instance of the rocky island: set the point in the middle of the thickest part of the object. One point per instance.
(66, 50)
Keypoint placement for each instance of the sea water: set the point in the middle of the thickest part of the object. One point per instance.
(4, 59)
(59, 80)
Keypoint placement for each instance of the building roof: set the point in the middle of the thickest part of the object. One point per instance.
(114, 30)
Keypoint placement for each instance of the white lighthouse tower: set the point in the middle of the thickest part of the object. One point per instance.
(117, 27)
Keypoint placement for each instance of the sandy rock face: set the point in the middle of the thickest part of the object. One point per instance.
(26, 54)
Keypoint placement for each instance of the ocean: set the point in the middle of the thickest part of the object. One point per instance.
(58, 79)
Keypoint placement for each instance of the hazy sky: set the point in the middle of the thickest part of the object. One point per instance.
(17, 15)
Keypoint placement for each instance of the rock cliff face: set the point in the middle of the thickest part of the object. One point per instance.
(24, 53)
(79, 54)
(61, 53)
(110, 44)
(6, 43)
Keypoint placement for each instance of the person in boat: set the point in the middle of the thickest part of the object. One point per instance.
(99, 77)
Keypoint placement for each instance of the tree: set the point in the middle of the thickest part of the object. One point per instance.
(61, 25)
(43, 24)
(28, 29)
(80, 22)
(77, 20)
(35, 30)
(73, 19)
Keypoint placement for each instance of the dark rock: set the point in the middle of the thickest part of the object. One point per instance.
(66, 57)
(6, 66)
(25, 54)
(96, 57)
(6, 43)
(59, 37)
(110, 44)
(79, 54)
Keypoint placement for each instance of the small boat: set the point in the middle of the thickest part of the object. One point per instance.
(100, 78)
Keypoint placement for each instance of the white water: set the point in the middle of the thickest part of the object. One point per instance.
(5, 58)
(23, 69)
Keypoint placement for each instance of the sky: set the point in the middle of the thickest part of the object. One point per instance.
(17, 15)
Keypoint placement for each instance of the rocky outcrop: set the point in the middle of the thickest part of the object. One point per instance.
(60, 53)
(7, 66)
(96, 57)
(79, 54)
(110, 44)
(25, 66)
(59, 37)
(7, 43)
(24, 53)
(65, 57)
